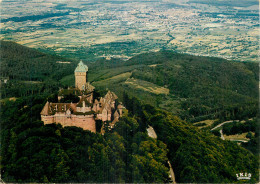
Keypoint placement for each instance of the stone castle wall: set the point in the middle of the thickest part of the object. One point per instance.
(86, 122)
(47, 119)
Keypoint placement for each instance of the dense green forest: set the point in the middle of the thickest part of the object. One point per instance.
(29, 71)
(197, 156)
(32, 152)
(23, 63)
(239, 127)
(166, 90)
(211, 87)
(250, 127)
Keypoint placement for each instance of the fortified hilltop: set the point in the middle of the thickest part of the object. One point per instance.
(88, 110)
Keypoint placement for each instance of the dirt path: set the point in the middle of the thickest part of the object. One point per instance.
(151, 133)
(221, 134)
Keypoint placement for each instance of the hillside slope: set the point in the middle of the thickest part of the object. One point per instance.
(22, 63)
(29, 71)
(197, 156)
(188, 86)
(200, 87)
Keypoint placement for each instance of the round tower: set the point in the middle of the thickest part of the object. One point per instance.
(81, 76)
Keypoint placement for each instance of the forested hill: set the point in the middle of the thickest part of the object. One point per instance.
(183, 73)
(193, 87)
(22, 63)
(29, 71)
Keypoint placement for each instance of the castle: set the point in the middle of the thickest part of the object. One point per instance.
(88, 110)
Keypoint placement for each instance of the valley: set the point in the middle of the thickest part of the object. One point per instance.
(90, 30)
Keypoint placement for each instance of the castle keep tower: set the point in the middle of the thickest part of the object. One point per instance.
(81, 76)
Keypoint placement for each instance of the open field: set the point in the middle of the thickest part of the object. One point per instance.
(122, 29)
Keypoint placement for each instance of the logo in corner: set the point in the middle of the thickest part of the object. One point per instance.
(244, 176)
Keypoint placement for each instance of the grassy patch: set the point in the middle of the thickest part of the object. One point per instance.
(237, 137)
(147, 86)
(113, 80)
(206, 123)
(154, 65)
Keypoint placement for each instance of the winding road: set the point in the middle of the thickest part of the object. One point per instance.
(225, 122)
(221, 130)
